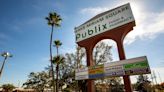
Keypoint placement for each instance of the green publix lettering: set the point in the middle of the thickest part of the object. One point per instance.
(91, 31)
(84, 35)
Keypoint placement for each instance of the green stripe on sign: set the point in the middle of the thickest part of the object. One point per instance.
(142, 64)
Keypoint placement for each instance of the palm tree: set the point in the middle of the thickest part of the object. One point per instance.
(57, 60)
(5, 55)
(57, 44)
(53, 20)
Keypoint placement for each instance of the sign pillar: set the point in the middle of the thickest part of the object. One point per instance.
(127, 82)
(90, 83)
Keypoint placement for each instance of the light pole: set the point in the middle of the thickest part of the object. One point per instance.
(5, 55)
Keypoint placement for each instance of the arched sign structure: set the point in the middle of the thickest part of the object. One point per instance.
(114, 24)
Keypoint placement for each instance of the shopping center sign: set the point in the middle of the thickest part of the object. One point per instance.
(132, 66)
(104, 22)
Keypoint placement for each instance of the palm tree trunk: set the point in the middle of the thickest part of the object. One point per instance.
(52, 69)
(60, 80)
(2, 66)
(57, 69)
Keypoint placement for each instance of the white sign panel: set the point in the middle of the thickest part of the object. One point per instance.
(104, 22)
(81, 73)
(113, 70)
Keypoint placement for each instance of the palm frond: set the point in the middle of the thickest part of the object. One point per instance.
(57, 43)
(54, 19)
(58, 59)
(47, 18)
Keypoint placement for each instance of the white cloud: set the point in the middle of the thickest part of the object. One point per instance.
(92, 11)
(148, 28)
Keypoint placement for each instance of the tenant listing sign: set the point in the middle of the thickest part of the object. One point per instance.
(104, 22)
(132, 66)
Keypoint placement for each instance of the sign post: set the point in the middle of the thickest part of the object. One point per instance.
(122, 56)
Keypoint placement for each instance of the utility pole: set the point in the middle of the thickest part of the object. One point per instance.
(155, 77)
(160, 78)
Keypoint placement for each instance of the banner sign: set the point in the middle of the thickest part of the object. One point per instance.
(132, 66)
(104, 22)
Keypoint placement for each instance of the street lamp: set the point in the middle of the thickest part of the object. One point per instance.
(5, 55)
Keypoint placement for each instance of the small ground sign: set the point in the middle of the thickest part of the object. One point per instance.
(132, 66)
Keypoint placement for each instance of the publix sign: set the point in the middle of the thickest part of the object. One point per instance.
(104, 22)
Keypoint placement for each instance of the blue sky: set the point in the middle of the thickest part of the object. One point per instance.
(25, 34)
